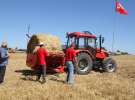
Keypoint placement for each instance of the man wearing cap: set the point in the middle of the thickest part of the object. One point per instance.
(70, 61)
(3, 60)
(41, 62)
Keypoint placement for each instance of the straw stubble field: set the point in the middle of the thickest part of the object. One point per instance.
(95, 86)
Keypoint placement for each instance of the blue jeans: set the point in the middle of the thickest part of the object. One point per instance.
(70, 72)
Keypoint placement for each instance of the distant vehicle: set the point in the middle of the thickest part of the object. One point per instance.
(11, 50)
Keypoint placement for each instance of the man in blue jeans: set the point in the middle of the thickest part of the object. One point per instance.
(3, 60)
(70, 61)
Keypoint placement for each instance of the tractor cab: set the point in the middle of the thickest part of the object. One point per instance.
(89, 50)
(86, 41)
(81, 40)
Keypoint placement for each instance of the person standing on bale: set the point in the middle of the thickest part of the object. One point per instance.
(70, 61)
(3, 60)
(41, 62)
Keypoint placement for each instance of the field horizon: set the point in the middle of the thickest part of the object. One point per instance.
(94, 86)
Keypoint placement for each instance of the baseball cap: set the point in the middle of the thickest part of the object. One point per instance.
(41, 43)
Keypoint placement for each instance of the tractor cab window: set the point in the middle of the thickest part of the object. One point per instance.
(86, 42)
(81, 43)
(92, 42)
(71, 40)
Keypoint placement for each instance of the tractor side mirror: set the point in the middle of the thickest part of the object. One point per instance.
(103, 39)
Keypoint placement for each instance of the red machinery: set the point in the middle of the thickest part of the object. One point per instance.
(90, 55)
(55, 62)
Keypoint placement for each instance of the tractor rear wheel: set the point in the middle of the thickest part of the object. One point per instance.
(109, 65)
(84, 64)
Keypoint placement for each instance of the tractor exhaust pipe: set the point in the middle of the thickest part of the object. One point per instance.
(100, 42)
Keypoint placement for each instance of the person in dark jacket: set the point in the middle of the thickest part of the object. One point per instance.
(3, 60)
(70, 61)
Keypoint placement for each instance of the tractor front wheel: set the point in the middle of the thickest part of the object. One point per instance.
(84, 64)
(109, 65)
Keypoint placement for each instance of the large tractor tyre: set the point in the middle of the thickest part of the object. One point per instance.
(109, 65)
(84, 64)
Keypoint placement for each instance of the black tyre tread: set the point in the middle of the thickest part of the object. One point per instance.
(84, 55)
(106, 61)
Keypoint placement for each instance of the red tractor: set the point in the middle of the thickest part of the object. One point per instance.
(90, 53)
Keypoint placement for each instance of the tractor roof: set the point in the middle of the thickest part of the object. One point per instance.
(81, 34)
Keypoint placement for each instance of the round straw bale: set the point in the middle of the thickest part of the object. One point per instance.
(52, 43)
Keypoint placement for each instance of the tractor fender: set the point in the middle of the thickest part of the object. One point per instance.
(85, 51)
(101, 54)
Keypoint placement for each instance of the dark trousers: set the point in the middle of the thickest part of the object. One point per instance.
(2, 73)
(41, 71)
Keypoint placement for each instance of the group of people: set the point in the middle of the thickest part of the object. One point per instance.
(41, 52)
(70, 60)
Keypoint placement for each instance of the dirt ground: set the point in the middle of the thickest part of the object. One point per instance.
(94, 86)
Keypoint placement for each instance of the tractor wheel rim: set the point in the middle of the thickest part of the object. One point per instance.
(83, 65)
(110, 67)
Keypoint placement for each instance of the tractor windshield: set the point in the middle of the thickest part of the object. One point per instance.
(81, 42)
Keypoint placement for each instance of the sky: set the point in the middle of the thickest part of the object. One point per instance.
(60, 16)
